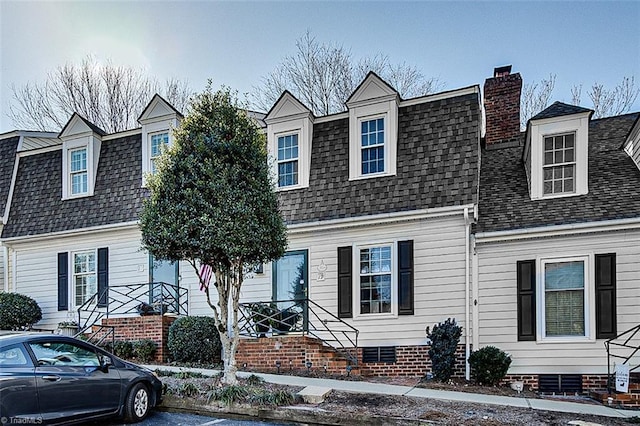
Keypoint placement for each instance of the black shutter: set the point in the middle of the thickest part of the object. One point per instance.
(103, 277)
(63, 281)
(345, 282)
(405, 277)
(526, 300)
(606, 327)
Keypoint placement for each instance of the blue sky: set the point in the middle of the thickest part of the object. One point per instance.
(236, 43)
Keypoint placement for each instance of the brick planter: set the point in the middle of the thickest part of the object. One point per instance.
(153, 327)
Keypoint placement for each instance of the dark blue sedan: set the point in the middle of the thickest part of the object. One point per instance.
(51, 379)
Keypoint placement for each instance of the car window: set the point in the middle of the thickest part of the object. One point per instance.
(13, 356)
(63, 354)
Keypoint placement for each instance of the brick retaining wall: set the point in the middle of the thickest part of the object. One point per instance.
(153, 327)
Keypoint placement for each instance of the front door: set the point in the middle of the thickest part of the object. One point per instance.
(161, 271)
(290, 282)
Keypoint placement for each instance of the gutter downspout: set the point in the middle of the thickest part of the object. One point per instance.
(5, 261)
(467, 291)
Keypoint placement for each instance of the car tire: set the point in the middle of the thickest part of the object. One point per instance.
(138, 403)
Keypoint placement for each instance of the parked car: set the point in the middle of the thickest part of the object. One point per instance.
(53, 379)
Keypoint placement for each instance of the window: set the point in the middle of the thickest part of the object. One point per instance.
(375, 280)
(84, 276)
(159, 141)
(564, 298)
(559, 164)
(13, 356)
(63, 354)
(78, 171)
(372, 145)
(288, 160)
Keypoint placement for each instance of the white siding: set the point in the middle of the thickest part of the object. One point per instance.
(497, 304)
(439, 275)
(2, 260)
(36, 266)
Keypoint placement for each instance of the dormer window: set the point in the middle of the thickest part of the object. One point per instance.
(373, 129)
(556, 152)
(78, 171)
(559, 168)
(158, 142)
(288, 160)
(372, 150)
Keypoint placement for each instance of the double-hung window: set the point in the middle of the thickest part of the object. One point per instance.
(288, 160)
(375, 279)
(559, 169)
(565, 297)
(158, 142)
(372, 146)
(84, 276)
(78, 171)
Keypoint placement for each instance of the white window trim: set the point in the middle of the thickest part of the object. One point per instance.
(278, 136)
(552, 165)
(304, 128)
(589, 300)
(556, 126)
(72, 275)
(150, 137)
(386, 109)
(356, 281)
(149, 129)
(91, 144)
(84, 171)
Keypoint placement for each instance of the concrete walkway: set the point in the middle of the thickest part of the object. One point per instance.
(383, 389)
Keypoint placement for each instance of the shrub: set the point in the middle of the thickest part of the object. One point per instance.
(18, 312)
(194, 339)
(123, 349)
(144, 350)
(229, 394)
(444, 342)
(489, 365)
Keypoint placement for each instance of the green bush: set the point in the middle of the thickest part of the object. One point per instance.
(123, 349)
(444, 342)
(144, 350)
(489, 365)
(194, 339)
(18, 312)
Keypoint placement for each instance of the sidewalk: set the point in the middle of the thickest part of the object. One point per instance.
(379, 388)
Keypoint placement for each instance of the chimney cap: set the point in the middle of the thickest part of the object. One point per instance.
(502, 71)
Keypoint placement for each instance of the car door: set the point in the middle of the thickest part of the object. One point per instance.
(71, 383)
(18, 397)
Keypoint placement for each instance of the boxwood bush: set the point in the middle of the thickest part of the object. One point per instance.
(18, 312)
(144, 350)
(123, 349)
(194, 339)
(489, 365)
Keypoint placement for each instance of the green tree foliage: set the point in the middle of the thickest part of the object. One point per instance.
(489, 365)
(213, 202)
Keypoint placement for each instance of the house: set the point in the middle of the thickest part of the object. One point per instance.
(556, 265)
(378, 202)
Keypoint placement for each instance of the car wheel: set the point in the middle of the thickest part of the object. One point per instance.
(137, 403)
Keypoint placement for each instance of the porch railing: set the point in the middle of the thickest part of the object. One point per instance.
(302, 316)
(143, 299)
(625, 346)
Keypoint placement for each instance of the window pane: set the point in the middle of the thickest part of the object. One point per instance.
(548, 144)
(78, 160)
(564, 275)
(564, 313)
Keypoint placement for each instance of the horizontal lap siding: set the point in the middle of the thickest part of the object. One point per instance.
(439, 267)
(1, 265)
(497, 300)
(36, 266)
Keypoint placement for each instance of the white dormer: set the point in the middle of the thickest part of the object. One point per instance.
(556, 152)
(373, 129)
(632, 144)
(289, 135)
(81, 142)
(158, 120)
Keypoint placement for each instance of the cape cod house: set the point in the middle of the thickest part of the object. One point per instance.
(557, 243)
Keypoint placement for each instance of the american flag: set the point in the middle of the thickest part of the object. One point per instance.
(205, 276)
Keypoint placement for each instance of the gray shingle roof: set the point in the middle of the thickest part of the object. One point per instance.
(614, 185)
(437, 166)
(7, 160)
(37, 207)
(558, 109)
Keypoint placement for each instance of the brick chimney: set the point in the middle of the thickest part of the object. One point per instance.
(502, 106)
